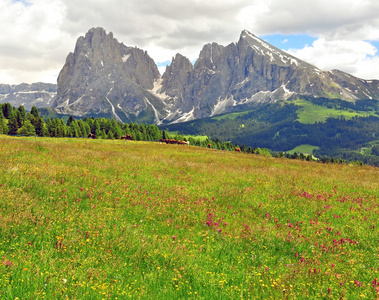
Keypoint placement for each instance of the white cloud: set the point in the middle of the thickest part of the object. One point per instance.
(354, 57)
(36, 38)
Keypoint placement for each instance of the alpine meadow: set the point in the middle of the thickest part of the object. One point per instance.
(111, 219)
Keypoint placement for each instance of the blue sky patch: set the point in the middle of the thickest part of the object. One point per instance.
(376, 45)
(164, 63)
(290, 41)
(25, 2)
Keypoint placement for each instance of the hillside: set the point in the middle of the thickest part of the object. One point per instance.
(336, 128)
(93, 219)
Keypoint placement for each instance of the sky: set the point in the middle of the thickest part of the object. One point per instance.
(37, 35)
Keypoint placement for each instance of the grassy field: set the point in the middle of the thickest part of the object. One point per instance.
(90, 219)
(309, 113)
(305, 149)
(187, 136)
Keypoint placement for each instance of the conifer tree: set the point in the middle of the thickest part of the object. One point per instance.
(38, 125)
(34, 111)
(110, 135)
(22, 111)
(26, 129)
(97, 130)
(3, 123)
(13, 126)
(7, 110)
(117, 133)
(69, 120)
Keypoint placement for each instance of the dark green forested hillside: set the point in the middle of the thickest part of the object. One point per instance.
(279, 128)
(16, 121)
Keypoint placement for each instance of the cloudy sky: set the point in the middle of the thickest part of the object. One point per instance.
(37, 35)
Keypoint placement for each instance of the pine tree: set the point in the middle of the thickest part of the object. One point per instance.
(45, 132)
(3, 124)
(86, 130)
(117, 133)
(22, 111)
(34, 111)
(96, 131)
(27, 129)
(69, 120)
(110, 135)
(49, 126)
(7, 110)
(38, 125)
(13, 126)
(20, 122)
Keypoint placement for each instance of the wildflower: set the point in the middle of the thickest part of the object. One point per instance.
(174, 237)
(8, 263)
(357, 283)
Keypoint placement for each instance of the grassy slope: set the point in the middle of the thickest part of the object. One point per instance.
(88, 219)
(187, 136)
(309, 113)
(308, 149)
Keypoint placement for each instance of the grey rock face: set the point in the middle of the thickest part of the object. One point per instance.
(104, 77)
(28, 95)
(358, 88)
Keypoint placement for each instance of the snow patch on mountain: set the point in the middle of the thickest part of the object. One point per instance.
(114, 110)
(125, 57)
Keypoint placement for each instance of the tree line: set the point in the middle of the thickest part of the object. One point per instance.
(16, 121)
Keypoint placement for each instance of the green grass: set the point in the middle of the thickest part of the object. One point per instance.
(88, 219)
(309, 113)
(333, 95)
(305, 149)
(187, 136)
(231, 116)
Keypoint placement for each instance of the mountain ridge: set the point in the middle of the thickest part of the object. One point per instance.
(37, 94)
(104, 77)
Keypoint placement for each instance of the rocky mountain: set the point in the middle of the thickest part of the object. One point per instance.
(103, 77)
(29, 95)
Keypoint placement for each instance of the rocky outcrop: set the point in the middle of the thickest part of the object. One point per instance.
(105, 77)
(28, 95)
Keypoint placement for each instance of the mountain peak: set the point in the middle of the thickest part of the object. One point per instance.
(97, 30)
(246, 33)
(104, 76)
